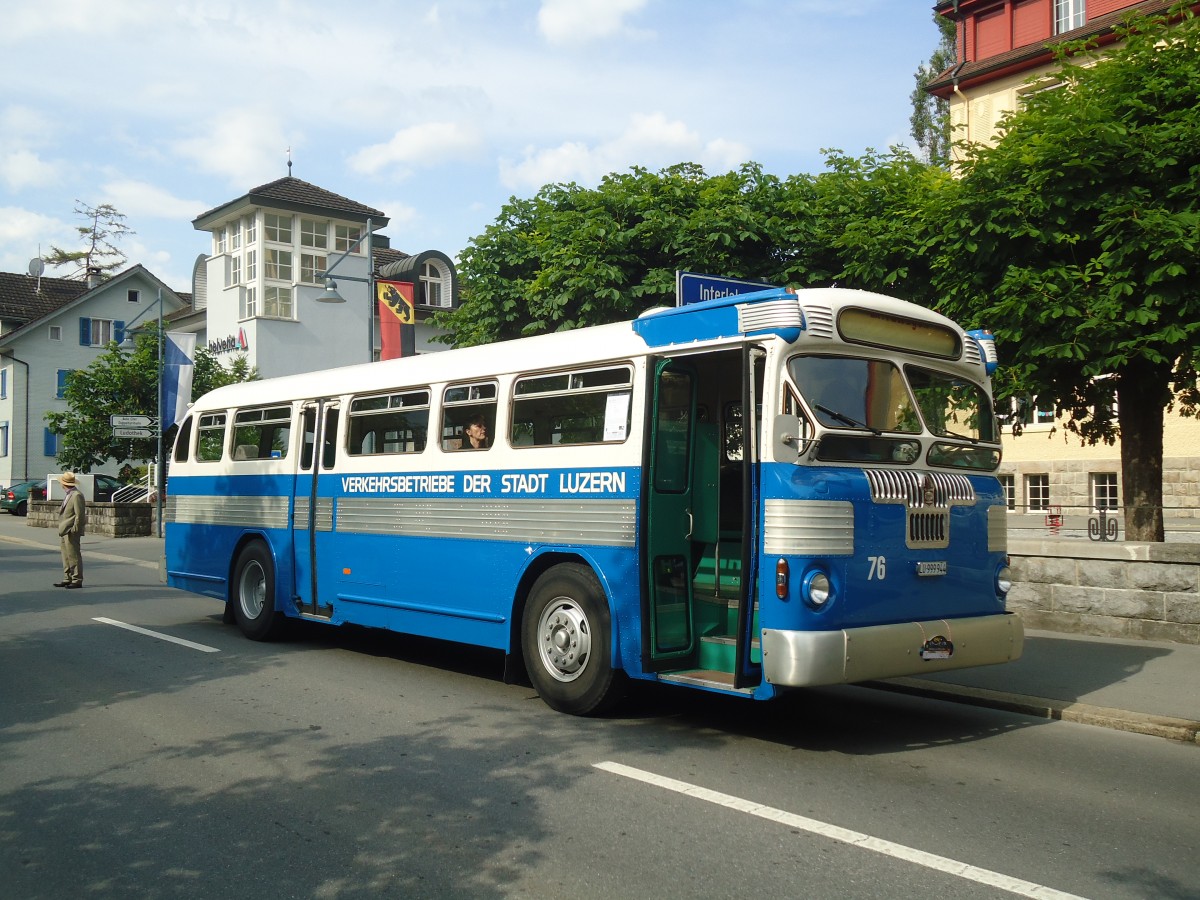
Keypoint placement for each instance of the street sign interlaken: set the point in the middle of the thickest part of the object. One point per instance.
(134, 432)
(132, 422)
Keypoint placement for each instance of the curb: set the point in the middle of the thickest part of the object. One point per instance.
(1065, 710)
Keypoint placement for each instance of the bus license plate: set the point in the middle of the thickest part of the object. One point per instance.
(934, 567)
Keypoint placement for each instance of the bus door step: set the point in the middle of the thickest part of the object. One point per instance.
(706, 678)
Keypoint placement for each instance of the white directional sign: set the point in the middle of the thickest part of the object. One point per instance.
(133, 422)
(134, 432)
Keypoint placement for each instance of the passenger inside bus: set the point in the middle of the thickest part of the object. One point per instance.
(476, 433)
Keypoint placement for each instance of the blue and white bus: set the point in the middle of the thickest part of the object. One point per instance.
(765, 491)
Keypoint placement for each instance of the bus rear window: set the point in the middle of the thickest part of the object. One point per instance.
(590, 406)
(262, 433)
(389, 423)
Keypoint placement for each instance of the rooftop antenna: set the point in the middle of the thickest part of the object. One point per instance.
(37, 266)
(289, 153)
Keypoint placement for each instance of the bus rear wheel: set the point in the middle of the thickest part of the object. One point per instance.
(566, 633)
(253, 596)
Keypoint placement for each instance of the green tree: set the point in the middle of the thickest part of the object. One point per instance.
(872, 219)
(1075, 236)
(104, 225)
(930, 119)
(573, 256)
(125, 383)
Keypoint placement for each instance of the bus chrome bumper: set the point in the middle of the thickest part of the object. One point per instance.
(809, 658)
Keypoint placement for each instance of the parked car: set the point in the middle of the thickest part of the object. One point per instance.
(105, 487)
(16, 498)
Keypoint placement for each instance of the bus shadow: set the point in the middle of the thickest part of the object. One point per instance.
(845, 719)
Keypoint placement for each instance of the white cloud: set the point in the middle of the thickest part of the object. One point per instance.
(138, 198)
(244, 146)
(580, 21)
(425, 144)
(23, 234)
(652, 141)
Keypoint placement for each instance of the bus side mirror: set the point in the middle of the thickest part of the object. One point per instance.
(789, 438)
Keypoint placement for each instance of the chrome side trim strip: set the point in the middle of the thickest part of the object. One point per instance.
(608, 523)
(244, 512)
(997, 529)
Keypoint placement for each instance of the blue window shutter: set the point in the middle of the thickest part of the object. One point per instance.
(119, 331)
(63, 374)
(85, 331)
(3, 383)
(50, 443)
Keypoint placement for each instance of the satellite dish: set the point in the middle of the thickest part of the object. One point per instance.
(37, 266)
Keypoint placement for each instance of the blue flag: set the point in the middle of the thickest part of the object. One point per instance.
(178, 365)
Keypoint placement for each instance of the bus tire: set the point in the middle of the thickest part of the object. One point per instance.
(566, 633)
(253, 594)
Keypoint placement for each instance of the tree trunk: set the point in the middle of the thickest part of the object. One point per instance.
(1141, 396)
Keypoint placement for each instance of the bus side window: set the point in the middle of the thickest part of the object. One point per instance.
(329, 444)
(183, 440)
(465, 408)
(262, 433)
(210, 437)
(308, 428)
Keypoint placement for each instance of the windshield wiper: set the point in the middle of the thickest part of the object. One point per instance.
(845, 419)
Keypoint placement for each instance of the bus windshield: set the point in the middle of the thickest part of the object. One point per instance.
(874, 397)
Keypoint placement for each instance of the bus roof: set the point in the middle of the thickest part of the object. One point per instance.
(776, 312)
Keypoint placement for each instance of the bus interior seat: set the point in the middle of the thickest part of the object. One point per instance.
(245, 451)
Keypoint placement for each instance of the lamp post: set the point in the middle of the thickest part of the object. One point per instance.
(330, 293)
(128, 344)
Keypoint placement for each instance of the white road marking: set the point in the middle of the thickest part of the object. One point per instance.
(834, 832)
(154, 634)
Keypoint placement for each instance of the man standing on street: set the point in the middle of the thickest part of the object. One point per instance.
(72, 518)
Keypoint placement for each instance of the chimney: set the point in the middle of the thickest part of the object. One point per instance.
(94, 277)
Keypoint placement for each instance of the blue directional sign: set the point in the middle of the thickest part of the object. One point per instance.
(692, 287)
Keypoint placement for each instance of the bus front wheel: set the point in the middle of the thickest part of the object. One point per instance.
(566, 633)
(253, 596)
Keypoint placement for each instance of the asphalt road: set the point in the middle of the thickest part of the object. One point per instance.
(183, 760)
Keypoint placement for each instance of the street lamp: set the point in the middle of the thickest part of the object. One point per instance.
(128, 344)
(330, 293)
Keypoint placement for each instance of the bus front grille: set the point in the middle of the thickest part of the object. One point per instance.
(929, 529)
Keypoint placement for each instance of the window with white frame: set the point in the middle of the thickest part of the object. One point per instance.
(3, 384)
(1069, 14)
(277, 264)
(235, 235)
(1037, 492)
(347, 236)
(1104, 490)
(250, 226)
(277, 302)
(250, 303)
(3, 439)
(95, 332)
(435, 285)
(314, 233)
(233, 271)
(133, 296)
(55, 333)
(277, 229)
(218, 241)
(310, 265)
(251, 265)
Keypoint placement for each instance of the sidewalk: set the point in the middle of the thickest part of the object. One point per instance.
(1140, 686)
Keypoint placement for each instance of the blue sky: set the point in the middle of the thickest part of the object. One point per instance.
(434, 111)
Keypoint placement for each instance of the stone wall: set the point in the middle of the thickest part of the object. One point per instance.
(112, 519)
(1127, 590)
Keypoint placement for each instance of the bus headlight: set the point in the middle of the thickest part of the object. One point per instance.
(816, 589)
(1003, 581)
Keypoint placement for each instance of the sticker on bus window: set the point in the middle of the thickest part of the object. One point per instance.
(616, 417)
